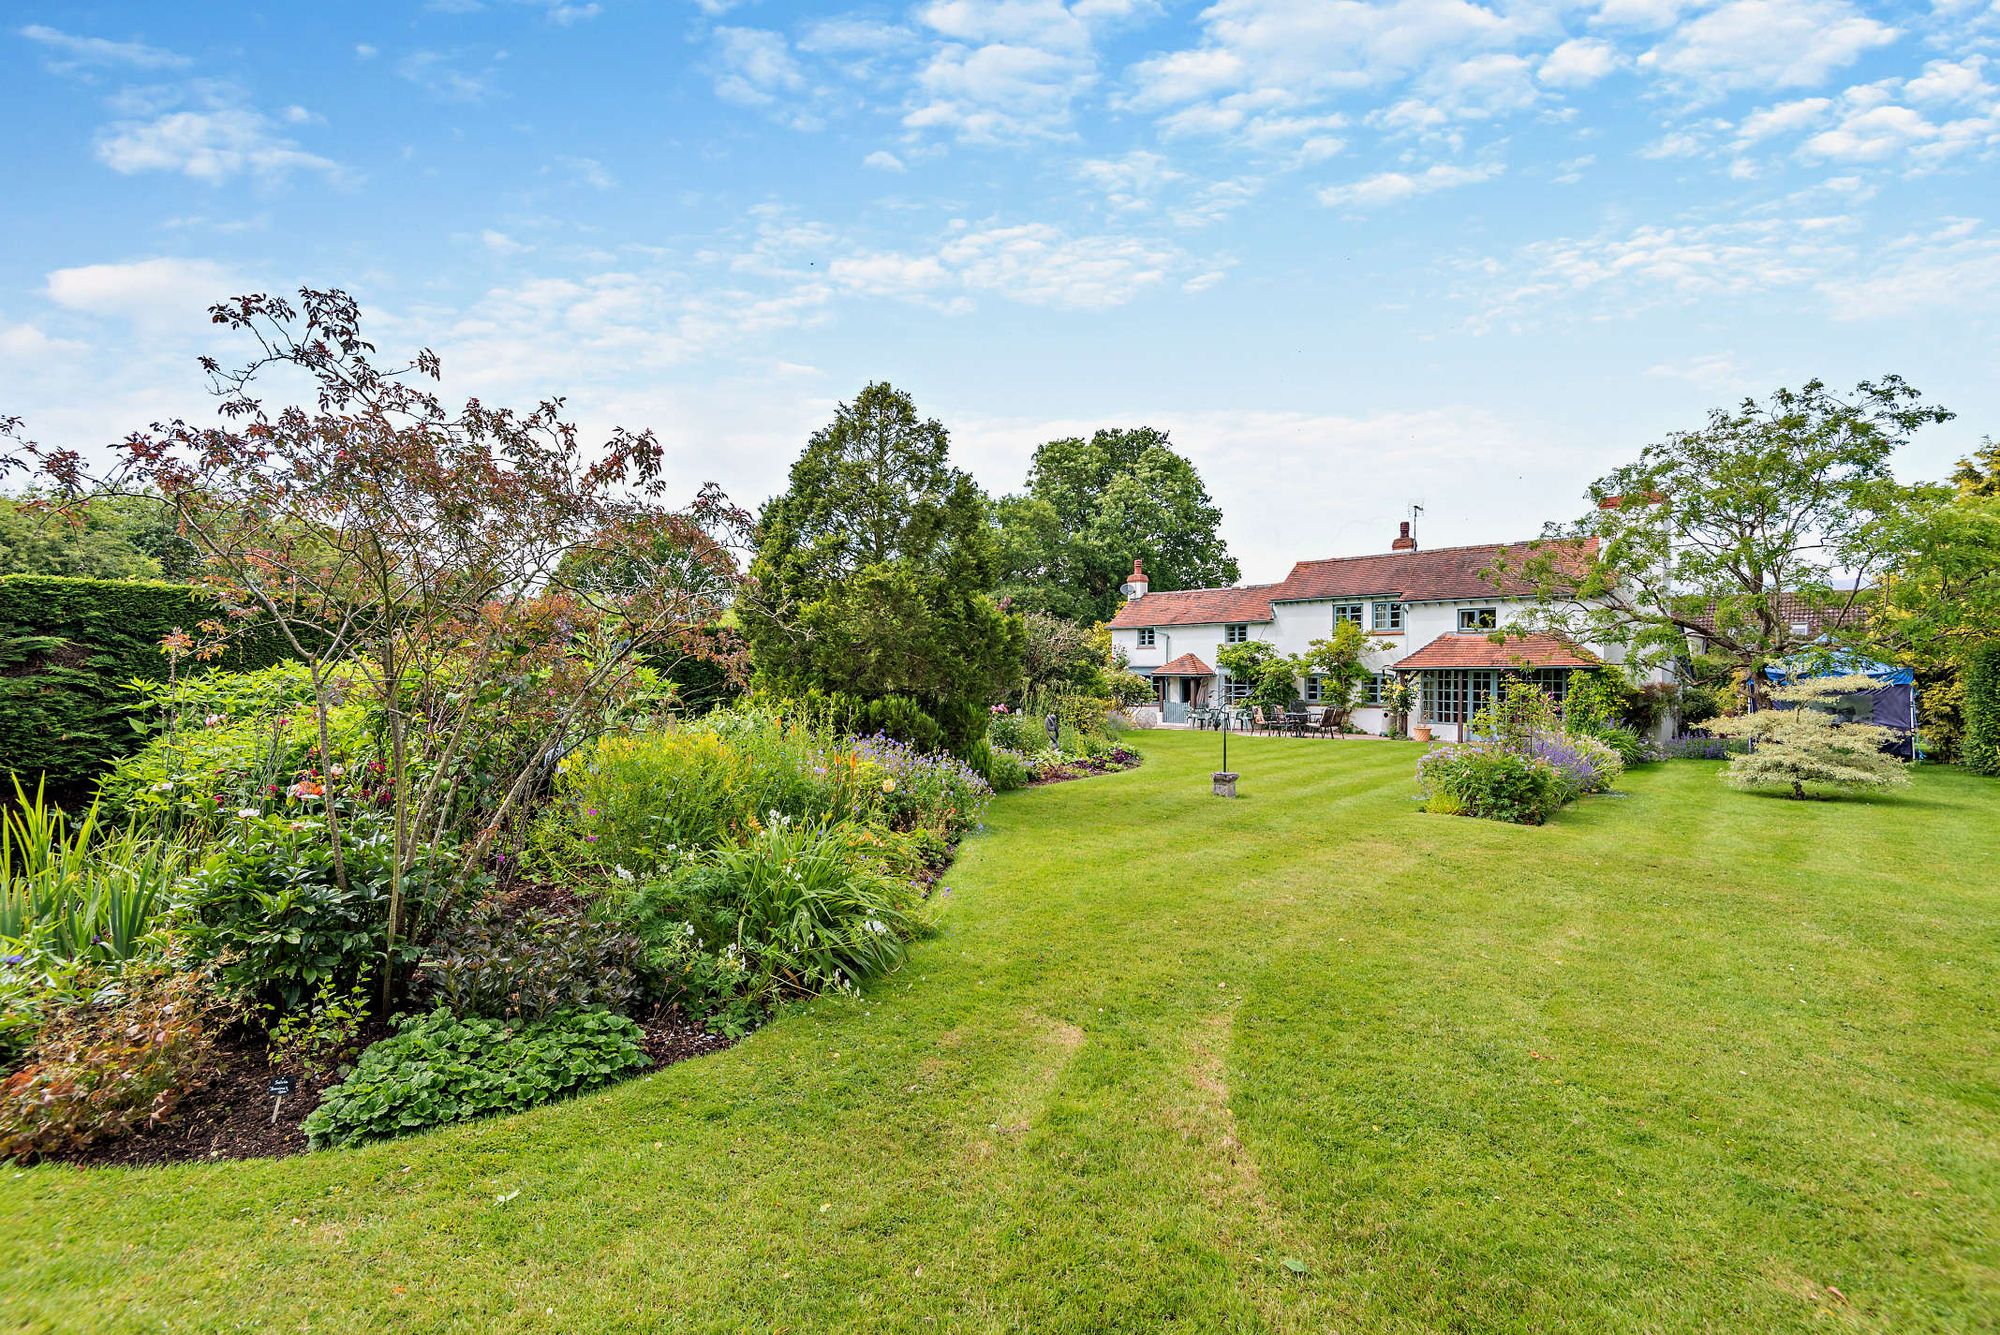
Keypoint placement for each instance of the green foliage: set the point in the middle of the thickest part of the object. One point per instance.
(112, 537)
(1006, 769)
(1982, 709)
(1273, 677)
(1490, 783)
(1337, 661)
(69, 891)
(315, 1037)
(1516, 716)
(69, 651)
(874, 571)
(106, 1063)
(800, 910)
(846, 714)
(265, 910)
(1714, 531)
(1091, 507)
(1632, 749)
(528, 964)
(1812, 736)
(441, 1068)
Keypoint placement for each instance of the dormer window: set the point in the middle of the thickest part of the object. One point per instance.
(1388, 616)
(1347, 612)
(1478, 618)
(1145, 637)
(1236, 633)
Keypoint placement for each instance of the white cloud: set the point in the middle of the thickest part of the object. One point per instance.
(754, 67)
(26, 343)
(588, 171)
(1386, 188)
(1039, 265)
(449, 76)
(499, 243)
(1785, 118)
(148, 292)
(1578, 63)
(212, 145)
(364, 51)
(1955, 267)
(67, 52)
(882, 160)
(1947, 81)
(1755, 44)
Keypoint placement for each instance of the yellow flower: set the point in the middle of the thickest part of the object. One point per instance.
(888, 785)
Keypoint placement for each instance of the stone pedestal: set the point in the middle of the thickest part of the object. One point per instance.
(1225, 783)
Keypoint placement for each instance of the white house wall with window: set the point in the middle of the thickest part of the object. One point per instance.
(1435, 610)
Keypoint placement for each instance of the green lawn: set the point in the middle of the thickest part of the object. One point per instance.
(1683, 1060)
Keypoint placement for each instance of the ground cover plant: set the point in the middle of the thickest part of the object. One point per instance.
(1164, 1044)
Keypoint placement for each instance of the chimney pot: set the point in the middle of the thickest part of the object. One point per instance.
(1404, 542)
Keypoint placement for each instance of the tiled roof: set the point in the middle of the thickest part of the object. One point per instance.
(1187, 665)
(1794, 607)
(1479, 651)
(1441, 574)
(1194, 607)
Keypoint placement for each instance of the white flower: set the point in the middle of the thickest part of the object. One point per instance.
(875, 925)
(623, 875)
(335, 770)
(214, 720)
(689, 927)
(166, 787)
(246, 813)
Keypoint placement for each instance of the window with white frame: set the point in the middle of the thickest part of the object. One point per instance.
(1312, 693)
(1478, 618)
(1236, 633)
(1146, 638)
(1388, 616)
(1347, 612)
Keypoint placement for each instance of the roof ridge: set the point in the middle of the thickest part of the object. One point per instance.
(1430, 551)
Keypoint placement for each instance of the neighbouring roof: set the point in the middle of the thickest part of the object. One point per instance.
(1187, 665)
(1479, 651)
(1441, 574)
(1795, 608)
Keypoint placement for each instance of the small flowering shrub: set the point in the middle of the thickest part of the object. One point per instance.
(442, 1068)
(799, 910)
(1480, 779)
(107, 1063)
(1007, 770)
(1017, 732)
(529, 964)
(265, 909)
(1582, 764)
(641, 802)
(935, 792)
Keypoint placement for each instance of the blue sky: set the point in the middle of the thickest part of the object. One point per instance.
(1354, 255)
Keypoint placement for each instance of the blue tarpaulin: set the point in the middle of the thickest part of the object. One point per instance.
(1892, 704)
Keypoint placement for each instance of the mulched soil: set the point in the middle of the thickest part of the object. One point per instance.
(230, 1116)
(1119, 759)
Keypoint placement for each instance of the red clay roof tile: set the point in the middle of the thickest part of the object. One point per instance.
(1187, 665)
(1478, 651)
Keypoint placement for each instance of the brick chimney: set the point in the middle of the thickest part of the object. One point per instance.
(1137, 584)
(1404, 542)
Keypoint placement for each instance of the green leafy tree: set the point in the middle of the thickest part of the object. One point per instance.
(1811, 738)
(1982, 709)
(1709, 531)
(114, 537)
(1336, 661)
(1979, 474)
(1091, 507)
(1273, 677)
(875, 571)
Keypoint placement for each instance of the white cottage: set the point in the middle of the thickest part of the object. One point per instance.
(1436, 609)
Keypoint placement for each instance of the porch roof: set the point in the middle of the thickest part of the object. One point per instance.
(1187, 665)
(1458, 650)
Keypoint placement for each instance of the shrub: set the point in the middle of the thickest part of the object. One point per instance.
(1017, 732)
(1632, 749)
(936, 792)
(69, 648)
(1480, 779)
(1007, 770)
(441, 1068)
(107, 1064)
(530, 964)
(1981, 746)
(1582, 764)
(798, 911)
(266, 910)
(1802, 740)
(1692, 747)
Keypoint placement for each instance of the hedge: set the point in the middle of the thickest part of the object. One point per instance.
(1981, 747)
(68, 647)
